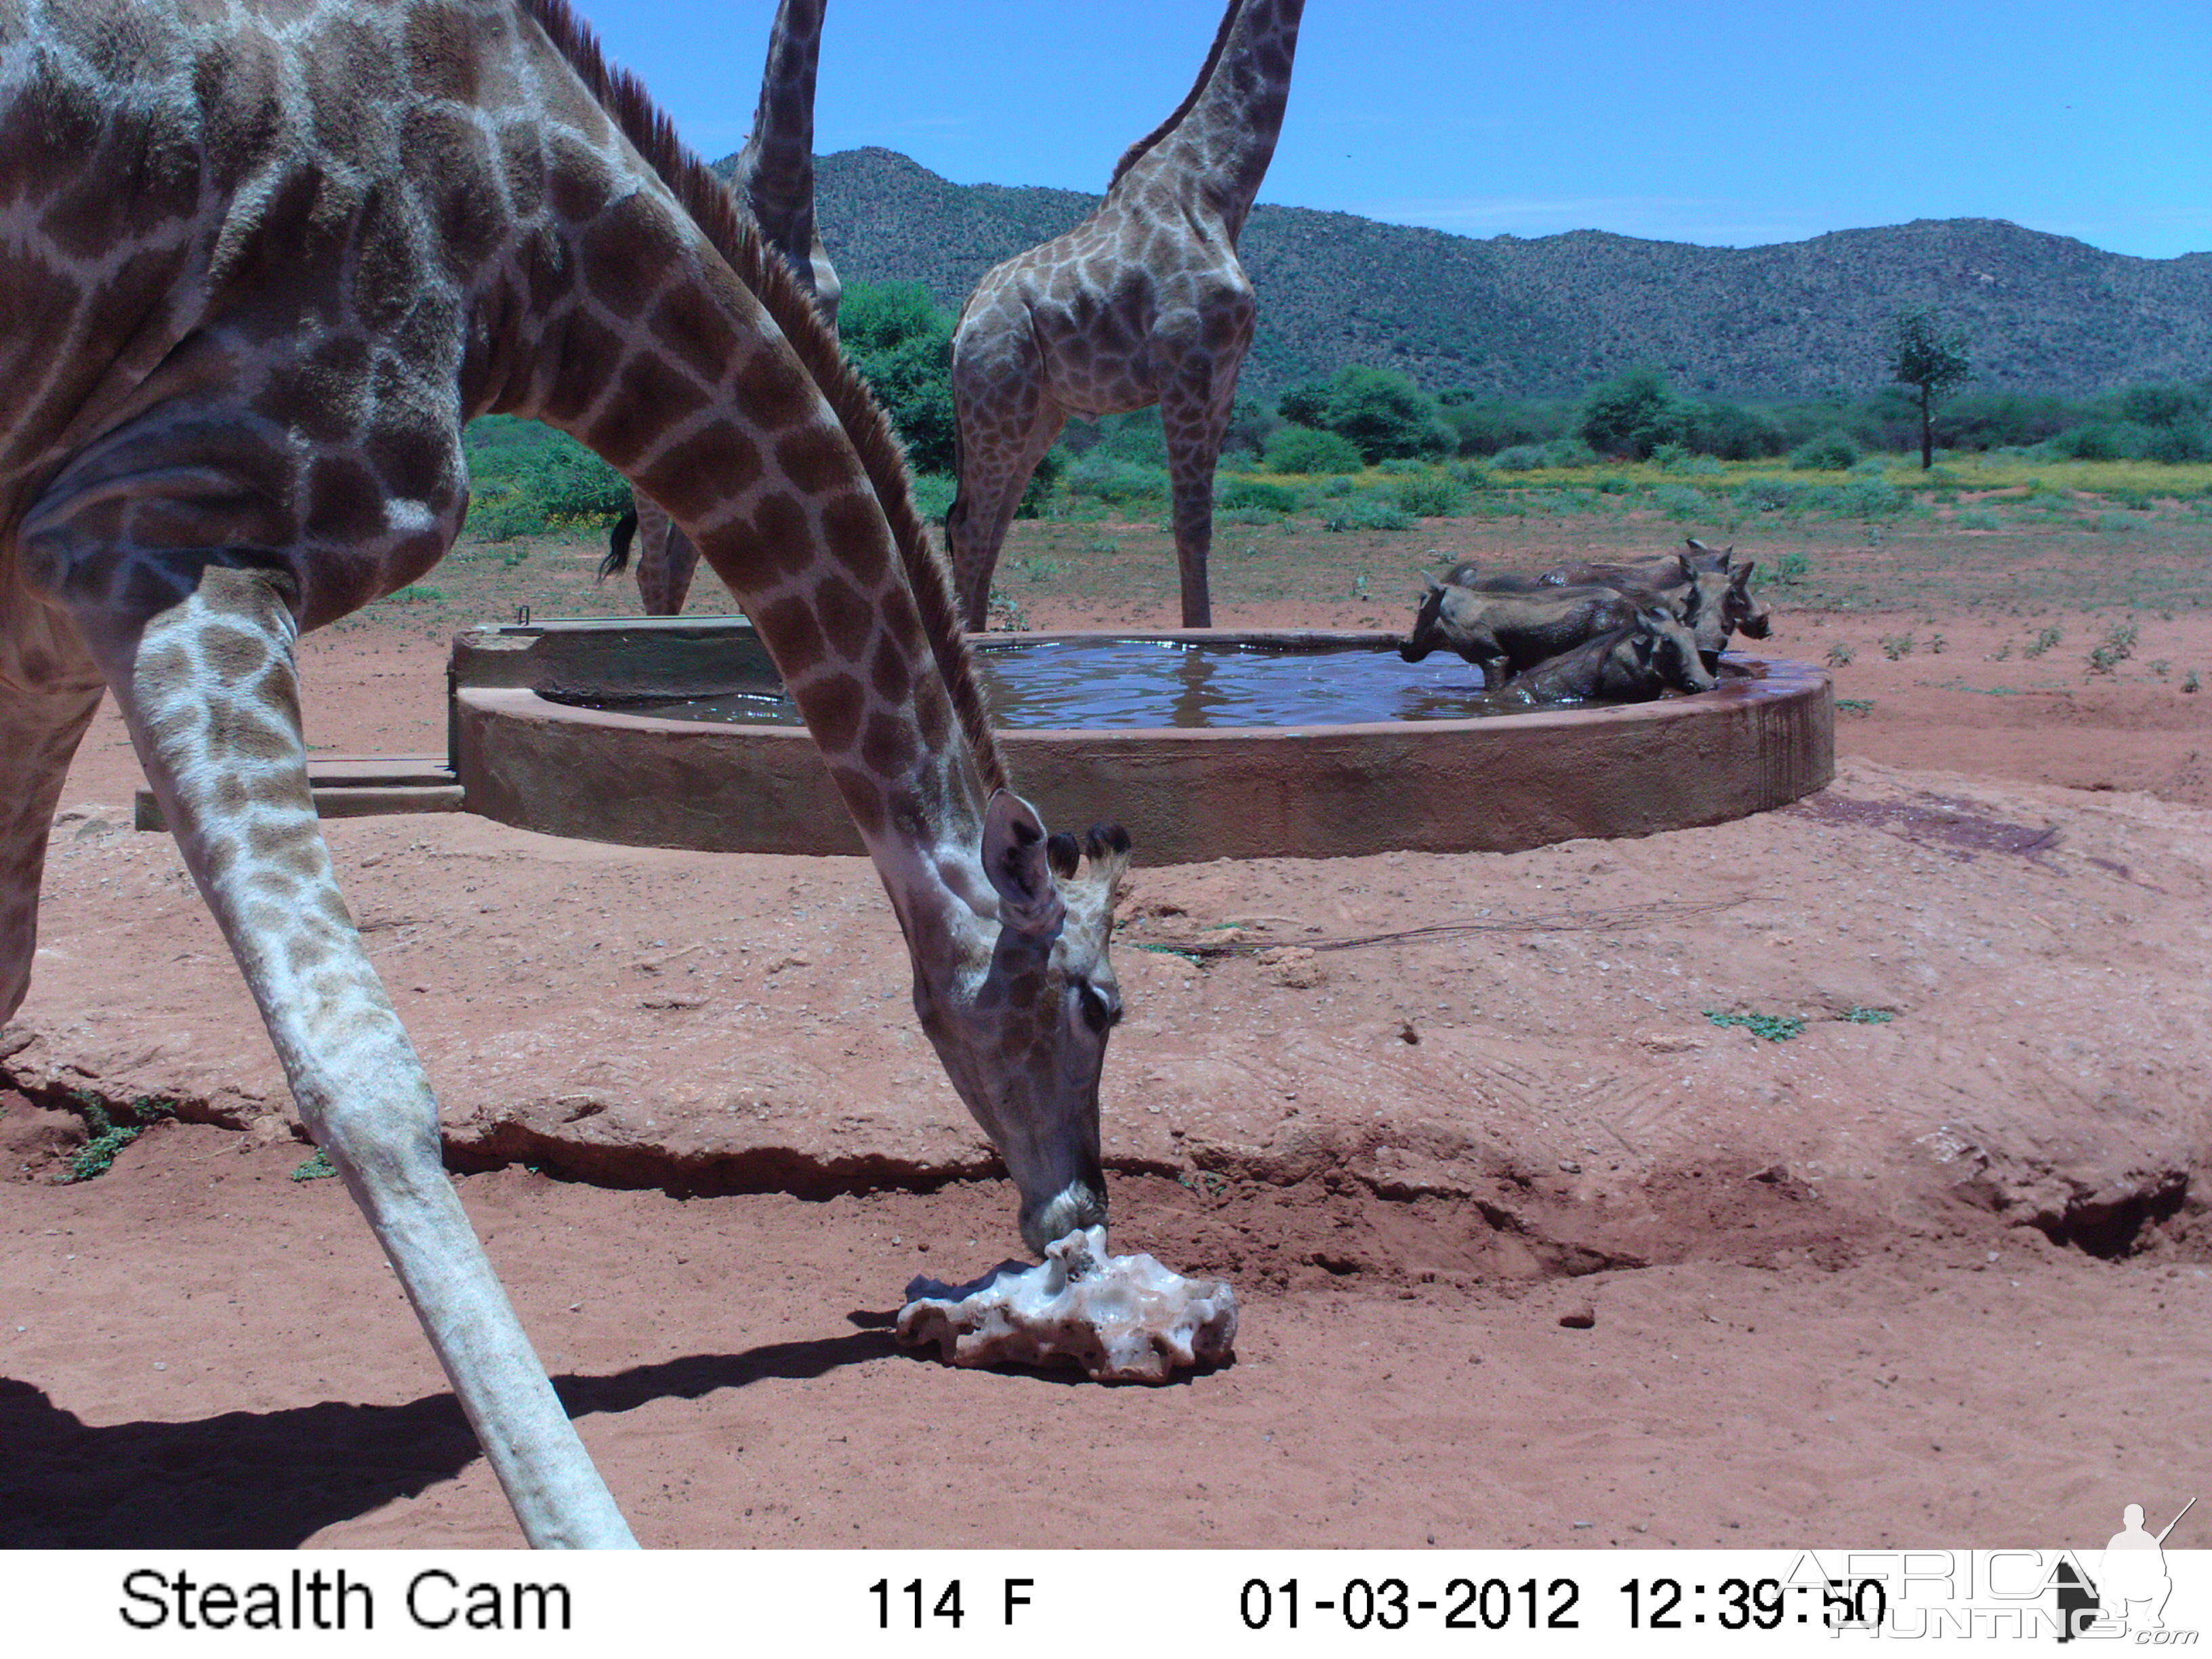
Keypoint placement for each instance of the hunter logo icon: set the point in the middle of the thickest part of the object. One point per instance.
(2129, 1586)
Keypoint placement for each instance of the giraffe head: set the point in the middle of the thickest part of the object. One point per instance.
(1022, 1024)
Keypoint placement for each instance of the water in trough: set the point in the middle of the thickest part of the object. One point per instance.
(1107, 684)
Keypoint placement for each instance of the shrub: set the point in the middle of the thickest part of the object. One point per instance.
(1484, 425)
(501, 514)
(901, 339)
(1680, 502)
(1830, 451)
(1631, 416)
(1979, 517)
(1116, 482)
(1431, 496)
(933, 493)
(1294, 448)
(1767, 495)
(2185, 440)
(1873, 498)
(1051, 467)
(1731, 432)
(1379, 411)
(1369, 510)
(1255, 496)
(2105, 440)
(1522, 458)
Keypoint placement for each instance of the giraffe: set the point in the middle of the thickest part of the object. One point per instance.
(1143, 302)
(773, 177)
(263, 258)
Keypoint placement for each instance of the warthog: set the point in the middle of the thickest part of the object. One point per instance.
(1654, 653)
(1503, 633)
(1723, 605)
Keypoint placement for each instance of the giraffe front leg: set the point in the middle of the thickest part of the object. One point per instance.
(1194, 419)
(210, 691)
(39, 733)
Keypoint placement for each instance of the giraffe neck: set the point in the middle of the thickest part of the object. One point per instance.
(728, 402)
(774, 171)
(1220, 143)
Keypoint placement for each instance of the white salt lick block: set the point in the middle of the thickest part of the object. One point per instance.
(1122, 1318)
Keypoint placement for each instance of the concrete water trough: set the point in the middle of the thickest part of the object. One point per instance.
(546, 734)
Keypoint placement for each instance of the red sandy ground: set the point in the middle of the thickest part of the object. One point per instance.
(1818, 1315)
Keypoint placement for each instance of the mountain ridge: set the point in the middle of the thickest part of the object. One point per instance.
(1547, 316)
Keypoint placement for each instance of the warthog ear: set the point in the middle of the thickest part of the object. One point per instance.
(1656, 620)
(1017, 856)
(1430, 583)
(1687, 566)
(1740, 578)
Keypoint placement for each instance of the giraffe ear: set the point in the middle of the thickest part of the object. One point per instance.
(1017, 859)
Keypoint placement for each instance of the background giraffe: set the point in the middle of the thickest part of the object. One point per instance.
(775, 178)
(263, 261)
(1143, 302)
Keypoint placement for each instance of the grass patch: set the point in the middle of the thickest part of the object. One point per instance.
(97, 1156)
(317, 1168)
(1774, 1028)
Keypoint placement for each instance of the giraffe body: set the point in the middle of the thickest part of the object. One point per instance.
(264, 259)
(774, 179)
(1143, 302)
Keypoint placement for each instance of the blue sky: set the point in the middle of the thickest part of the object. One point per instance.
(1712, 121)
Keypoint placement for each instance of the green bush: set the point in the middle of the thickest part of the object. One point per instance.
(1978, 518)
(1116, 482)
(1294, 448)
(1380, 411)
(1037, 493)
(1873, 498)
(1731, 431)
(1369, 510)
(2104, 441)
(933, 493)
(1680, 502)
(1429, 495)
(1632, 415)
(500, 513)
(1559, 453)
(1832, 451)
(901, 340)
(1483, 425)
(1767, 495)
(1255, 496)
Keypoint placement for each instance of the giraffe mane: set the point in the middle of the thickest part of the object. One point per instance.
(732, 233)
(1136, 152)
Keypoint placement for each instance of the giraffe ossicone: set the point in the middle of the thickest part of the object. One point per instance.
(1143, 302)
(262, 263)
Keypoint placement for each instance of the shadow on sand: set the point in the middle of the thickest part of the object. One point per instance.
(272, 1480)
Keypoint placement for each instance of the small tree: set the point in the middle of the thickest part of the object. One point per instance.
(901, 339)
(1631, 414)
(1923, 352)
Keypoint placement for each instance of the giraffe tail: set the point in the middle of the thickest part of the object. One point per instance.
(618, 559)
